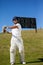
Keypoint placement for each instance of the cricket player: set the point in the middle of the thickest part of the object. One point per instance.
(16, 42)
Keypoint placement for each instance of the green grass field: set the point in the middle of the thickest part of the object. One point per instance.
(33, 44)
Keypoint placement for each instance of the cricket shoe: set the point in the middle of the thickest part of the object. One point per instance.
(23, 62)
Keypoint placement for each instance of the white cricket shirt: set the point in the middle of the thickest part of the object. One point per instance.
(17, 31)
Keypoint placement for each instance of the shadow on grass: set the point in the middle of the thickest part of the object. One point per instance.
(38, 61)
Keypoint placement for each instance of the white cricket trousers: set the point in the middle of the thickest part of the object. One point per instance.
(16, 42)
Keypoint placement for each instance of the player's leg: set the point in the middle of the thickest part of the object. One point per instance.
(12, 51)
(21, 50)
(21, 53)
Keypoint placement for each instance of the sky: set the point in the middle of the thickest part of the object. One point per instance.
(21, 8)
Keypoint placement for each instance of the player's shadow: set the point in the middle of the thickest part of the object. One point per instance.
(38, 61)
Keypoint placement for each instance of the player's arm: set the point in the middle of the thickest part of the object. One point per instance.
(12, 27)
